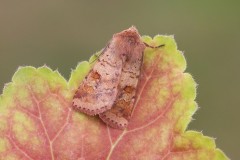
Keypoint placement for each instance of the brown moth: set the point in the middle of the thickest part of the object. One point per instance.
(110, 87)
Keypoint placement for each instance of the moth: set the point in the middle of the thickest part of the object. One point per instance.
(109, 89)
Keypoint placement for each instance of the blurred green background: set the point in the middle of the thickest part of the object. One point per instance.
(62, 33)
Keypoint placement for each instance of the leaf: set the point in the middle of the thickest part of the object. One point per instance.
(37, 121)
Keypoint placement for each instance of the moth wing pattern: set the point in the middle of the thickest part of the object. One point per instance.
(110, 87)
(118, 116)
(98, 90)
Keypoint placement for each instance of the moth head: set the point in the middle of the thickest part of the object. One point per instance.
(129, 36)
(129, 41)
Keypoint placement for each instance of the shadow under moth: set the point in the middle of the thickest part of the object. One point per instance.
(109, 89)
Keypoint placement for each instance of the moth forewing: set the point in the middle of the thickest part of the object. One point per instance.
(120, 113)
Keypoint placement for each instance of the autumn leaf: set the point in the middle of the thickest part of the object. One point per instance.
(38, 123)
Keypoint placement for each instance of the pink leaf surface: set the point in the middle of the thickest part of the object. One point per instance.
(38, 123)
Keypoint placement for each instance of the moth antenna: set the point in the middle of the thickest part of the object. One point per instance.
(147, 45)
(97, 56)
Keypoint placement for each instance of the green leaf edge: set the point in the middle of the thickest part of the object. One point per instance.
(78, 74)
